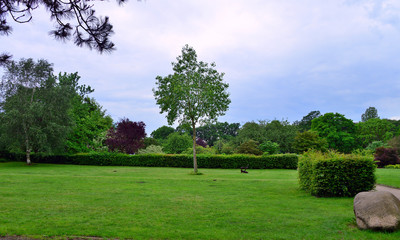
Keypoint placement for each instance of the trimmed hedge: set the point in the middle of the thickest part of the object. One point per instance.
(279, 161)
(336, 175)
(396, 166)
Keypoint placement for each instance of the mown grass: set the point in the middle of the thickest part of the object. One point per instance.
(168, 203)
(388, 176)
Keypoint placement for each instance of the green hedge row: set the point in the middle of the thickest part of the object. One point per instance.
(396, 166)
(336, 175)
(280, 161)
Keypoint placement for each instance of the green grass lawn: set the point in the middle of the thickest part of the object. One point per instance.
(387, 176)
(168, 203)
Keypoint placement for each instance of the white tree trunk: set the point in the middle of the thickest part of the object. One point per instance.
(194, 149)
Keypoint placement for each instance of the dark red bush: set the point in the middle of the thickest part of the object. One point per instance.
(201, 142)
(127, 137)
(386, 156)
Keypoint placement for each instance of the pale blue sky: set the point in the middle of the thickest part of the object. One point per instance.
(282, 58)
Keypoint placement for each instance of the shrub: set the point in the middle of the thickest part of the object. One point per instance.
(269, 147)
(333, 174)
(397, 166)
(201, 142)
(151, 149)
(386, 156)
(364, 152)
(228, 148)
(127, 137)
(200, 150)
(395, 143)
(150, 141)
(249, 147)
(308, 140)
(376, 144)
(177, 143)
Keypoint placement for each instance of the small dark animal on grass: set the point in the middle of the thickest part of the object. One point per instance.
(243, 169)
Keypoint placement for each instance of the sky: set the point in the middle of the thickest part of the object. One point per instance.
(281, 58)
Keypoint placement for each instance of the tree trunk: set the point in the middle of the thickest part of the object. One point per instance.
(27, 146)
(28, 156)
(194, 149)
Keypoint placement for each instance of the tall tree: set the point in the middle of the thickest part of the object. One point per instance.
(127, 137)
(307, 140)
(162, 133)
(281, 132)
(71, 18)
(220, 130)
(337, 130)
(91, 124)
(35, 106)
(370, 113)
(195, 93)
(374, 129)
(305, 123)
(250, 130)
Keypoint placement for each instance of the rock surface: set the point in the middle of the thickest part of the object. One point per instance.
(378, 210)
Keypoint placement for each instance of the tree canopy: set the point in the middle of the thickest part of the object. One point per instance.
(213, 132)
(374, 129)
(35, 106)
(91, 124)
(337, 130)
(370, 113)
(162, 132)
(193, 94)
(126, 137)
(305, 123)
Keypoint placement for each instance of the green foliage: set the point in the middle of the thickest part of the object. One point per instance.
(305, 123)
(394, 143)
(224, 147)
(177, 143)
(370, 113)
(374, 129)
(91, 125)
(396, 166)
(162, 133)
(251, 130)
(305, 141)
(151, 149)
(269, 147)
(147, 141)
(218, 131)
(376, 144)
(195, 93)
(200, 150)
(35, 106)
(364, 152)
(337, 130)
(336, 175)
(282, 133)
(249, 147)
(279, 161)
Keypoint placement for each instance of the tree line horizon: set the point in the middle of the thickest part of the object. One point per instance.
(43, 112)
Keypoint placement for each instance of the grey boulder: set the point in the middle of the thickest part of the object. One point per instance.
(378, 210)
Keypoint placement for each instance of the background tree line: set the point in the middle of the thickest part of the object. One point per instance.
(48, 113)
(314, 131)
